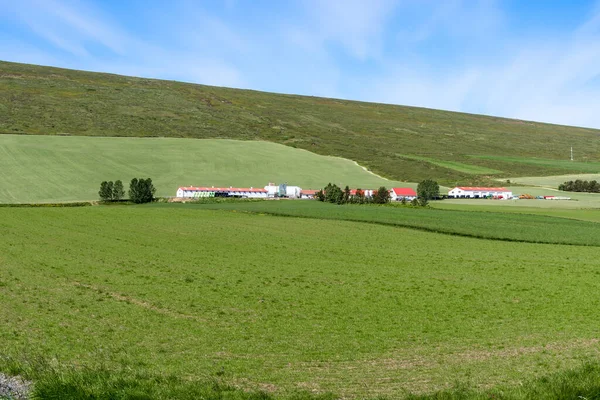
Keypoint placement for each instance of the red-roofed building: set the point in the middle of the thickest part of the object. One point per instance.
(476, 192)
(308, 194)
(397, 194)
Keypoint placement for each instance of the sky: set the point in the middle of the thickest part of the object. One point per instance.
(528, 59)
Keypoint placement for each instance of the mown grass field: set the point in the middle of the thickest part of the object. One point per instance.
(50, 168)
(286, 304)
(51, 101)
(457, 166)
(554, 181)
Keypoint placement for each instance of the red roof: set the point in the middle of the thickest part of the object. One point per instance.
(484, 189)
(217, 189)
(309, 191)
(353, 191)
(404, 192)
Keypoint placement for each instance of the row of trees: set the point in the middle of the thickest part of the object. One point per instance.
(426, 190)
(110, 191)
(332, 193)
(140, 190)
(580, 186)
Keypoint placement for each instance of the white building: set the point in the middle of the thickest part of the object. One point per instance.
(197, 192)
(480, 192)
(274, 190)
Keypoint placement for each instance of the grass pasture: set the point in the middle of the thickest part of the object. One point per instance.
(283, 304)
(453, 221)
(525, 207)
(553, 181)
(58, 168)
(564, 165)
(455, 165)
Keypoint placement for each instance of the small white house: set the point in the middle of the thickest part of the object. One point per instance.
(460, 192)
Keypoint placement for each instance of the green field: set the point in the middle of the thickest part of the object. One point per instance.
(553, 181)
(51, 101)
(291, 304)
(564, 164)
(50, 168)
(488, 225)
(457, 166)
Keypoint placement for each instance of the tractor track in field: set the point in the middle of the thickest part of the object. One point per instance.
(141, 303)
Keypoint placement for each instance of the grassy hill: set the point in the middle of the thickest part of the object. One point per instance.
(403, 143)
(50, 168)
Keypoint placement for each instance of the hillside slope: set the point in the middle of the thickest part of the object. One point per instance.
(404, 143)
(50, 168)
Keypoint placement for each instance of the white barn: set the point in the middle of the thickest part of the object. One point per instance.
(480, 192)
(197, 192)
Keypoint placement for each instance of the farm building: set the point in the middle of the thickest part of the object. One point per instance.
(480, 192)
(282, 190)
(365, 192)
(196, 192)
(397, 194)
(308, 194)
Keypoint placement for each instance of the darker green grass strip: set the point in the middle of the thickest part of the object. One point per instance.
(508, 227)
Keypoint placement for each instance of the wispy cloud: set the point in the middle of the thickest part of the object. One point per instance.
(356, 25)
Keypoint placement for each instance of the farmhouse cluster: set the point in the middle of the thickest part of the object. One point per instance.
(272, 190)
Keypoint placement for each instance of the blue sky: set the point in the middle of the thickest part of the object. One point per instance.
(528, 59)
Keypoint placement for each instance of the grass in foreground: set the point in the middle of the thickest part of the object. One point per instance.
(284, 305)
(50, 101)
(77, 383)
(49, 169)
(485, 225)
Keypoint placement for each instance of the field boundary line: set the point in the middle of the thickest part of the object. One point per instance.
(140, 303)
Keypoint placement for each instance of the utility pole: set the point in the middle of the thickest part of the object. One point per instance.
(571, 153)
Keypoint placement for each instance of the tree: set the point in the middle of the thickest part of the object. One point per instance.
(359, 197)
(117, 191)
(346, 196)
(333, 194)
(320, 195)
(428, 189)
(381, 196)
(105, 191)
(141, 190)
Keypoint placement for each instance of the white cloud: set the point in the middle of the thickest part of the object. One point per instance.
(355, 24)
